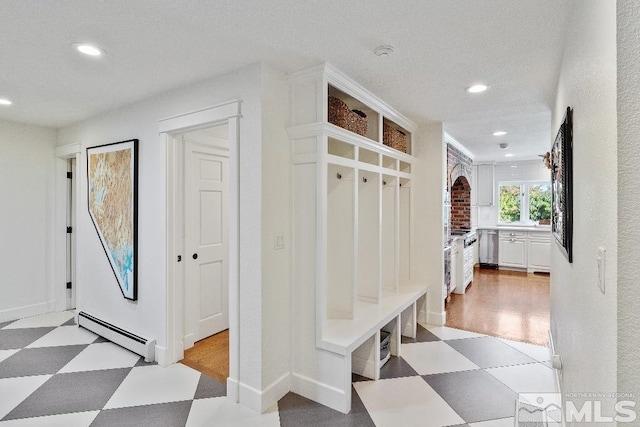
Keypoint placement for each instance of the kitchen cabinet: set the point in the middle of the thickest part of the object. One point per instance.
(539, 252)
(454, 268)
(484, 194)
(463, 267)
(525, 249)
(512, 250)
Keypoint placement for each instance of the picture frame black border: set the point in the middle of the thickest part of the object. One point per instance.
(564, 139)
(135, 215)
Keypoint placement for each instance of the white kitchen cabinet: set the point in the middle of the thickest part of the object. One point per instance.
(454, 268)
(525, 249)
(464, 266)
(513, 249)
(539, 252)
(485, 185)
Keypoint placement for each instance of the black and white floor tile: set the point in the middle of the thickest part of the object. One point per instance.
(53, 373)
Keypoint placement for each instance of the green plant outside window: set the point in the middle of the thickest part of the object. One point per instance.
(524, 202)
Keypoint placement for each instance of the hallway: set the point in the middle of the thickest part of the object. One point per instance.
(54, 373)
(503, 303)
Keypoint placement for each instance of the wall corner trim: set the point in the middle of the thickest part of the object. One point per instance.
(438, 319)
(260, 401)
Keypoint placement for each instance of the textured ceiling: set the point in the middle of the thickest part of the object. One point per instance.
(152, 46)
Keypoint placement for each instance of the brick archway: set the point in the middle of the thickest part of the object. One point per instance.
(461, 204)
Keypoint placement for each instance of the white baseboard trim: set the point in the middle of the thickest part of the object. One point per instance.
(322, 393)
(27, 311)
(552, 351)
(260, 401)
(161, 354)
(276, 391)
(188, 341)
(438, 319)
(233, 390)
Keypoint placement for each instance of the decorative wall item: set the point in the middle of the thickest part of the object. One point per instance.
(112, 175)
(562, 185)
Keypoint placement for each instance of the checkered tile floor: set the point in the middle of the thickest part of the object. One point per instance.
(53, 373)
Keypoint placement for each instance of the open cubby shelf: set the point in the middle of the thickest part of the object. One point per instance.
(351, 247)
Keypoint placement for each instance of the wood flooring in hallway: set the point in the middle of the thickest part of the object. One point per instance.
(505, 304)
(210, 356)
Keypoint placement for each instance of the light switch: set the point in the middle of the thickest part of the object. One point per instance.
(601, 259)
(278, 241)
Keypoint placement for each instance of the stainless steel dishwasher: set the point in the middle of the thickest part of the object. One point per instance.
(488, 251)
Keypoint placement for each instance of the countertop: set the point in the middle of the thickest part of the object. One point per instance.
(542, 228)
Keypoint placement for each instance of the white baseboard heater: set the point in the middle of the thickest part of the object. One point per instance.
(139, 345)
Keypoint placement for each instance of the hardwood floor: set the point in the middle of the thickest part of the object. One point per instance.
(504, 304)
(210, 356)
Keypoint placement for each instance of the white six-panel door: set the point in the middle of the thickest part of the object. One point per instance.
(206, 240)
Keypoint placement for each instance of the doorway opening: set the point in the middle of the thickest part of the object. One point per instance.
(68, 161)
(205, 195)
(203, 237)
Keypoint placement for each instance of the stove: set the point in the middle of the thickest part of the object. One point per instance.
(469, 236)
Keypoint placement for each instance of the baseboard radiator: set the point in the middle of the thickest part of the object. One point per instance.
(137, 344)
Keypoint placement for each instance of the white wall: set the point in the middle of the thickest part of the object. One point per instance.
(276, 292)
(427, 240)
(628, 196)
(583, 320)
(26, 220)
(530, 170)
(97, 291)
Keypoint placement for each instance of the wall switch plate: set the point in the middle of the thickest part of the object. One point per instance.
(278, 242)
(601, 260)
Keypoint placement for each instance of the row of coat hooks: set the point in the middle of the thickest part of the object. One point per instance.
(364, 179)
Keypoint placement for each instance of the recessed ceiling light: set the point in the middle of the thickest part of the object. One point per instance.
(509, 155)
(477, 88)
(88, 49)
(499, 133)
(4, 101)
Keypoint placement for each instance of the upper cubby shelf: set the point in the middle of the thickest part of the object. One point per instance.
(324, 95)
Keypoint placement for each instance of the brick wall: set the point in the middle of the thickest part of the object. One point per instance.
(461, 204)
(459, 172)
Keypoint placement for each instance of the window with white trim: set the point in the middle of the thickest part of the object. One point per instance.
(524, 202)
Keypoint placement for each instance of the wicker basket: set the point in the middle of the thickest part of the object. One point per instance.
(394, 138)
(340, 115)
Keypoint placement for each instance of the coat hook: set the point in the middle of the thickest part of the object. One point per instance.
(400, 184)
(364, 179)
(339, 175)
(384, 182)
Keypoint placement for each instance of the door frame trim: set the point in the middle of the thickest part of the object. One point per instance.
(226, 113)
(62, 155)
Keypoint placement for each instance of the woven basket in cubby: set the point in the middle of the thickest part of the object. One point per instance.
(340, 115)
(394, 138)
